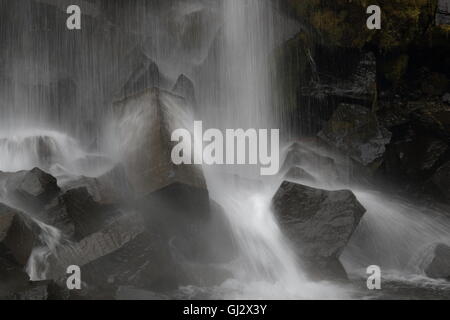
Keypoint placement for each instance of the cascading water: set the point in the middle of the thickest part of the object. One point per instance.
(227, 53)
(59, 155)
(267, 267)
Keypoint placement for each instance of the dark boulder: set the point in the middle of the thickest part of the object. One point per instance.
(185, 88)
(173, 196)
(110, 238)
(358, 85)
(441, 180)
(439, 266)
(146, 145)
(446, 98)
(12, 276)
(443, 13)
(31, 190)
(145, 75)
(413, 155)
(82, 211)
(109, 188)
(42, 290)
(355, 130)
(319, 223)
(18, 235)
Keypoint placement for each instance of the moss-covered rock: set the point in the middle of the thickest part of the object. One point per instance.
(343, 22)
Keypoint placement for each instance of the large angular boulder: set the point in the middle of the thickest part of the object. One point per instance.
(79, 209)
(319, 223)
(12, 277)
(18, 235)
(31, 190)
(433, 260)
(110, 238)
(185, 88)
(355, 130)
(438, 266)
(145, 75)
(144, 126)
(110, 188)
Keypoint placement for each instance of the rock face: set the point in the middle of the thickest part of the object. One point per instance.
(301, 156)
(17, 235)
(299, 173)
(438, 267)
(441, 179)
(145, 75)
(355, 130)
(443, 13)
(320, 224)
(104, 241)
(185, 88)
(110, 188)
(31, 189)
(359, 86)
(145, 123)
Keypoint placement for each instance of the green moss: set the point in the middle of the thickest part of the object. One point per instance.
(343, 22)
(394, 69)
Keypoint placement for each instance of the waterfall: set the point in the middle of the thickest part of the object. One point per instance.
(57, 88)
(241, 97)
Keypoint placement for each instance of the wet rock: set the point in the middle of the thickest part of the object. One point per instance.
(36, 292)
(359, 85)
(81, 209)
(109, 188)
(31, 189)
(18, 235)
(144, 125)
(301, 156)
(438, 262)
(441, 179)
(355, 131)
(143, 262)
(413, 155)
(435, 84)
(319, 223)
(434, 117)
(185, 88)
(298, 173)
(110, 238)
(446, 98)
(42, 290)
(12, 276)
(145, 75)
(443, 13)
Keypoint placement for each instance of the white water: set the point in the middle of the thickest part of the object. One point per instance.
(52, 151)
(267, 266)
(38, 265)
(61, 156)
(394, 233)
